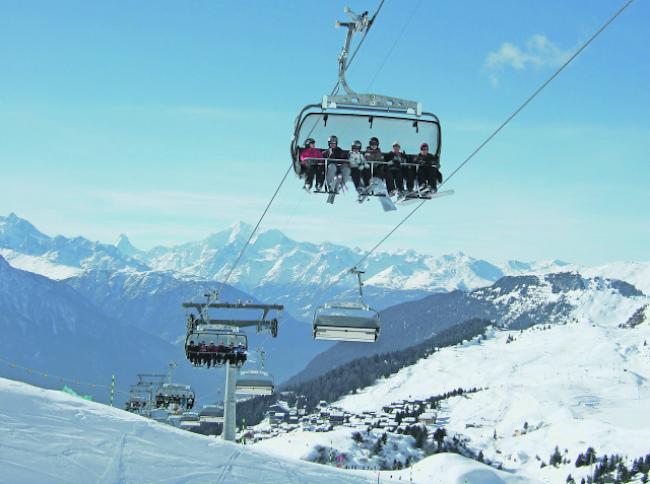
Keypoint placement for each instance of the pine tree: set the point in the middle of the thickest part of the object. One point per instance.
(439, 436)
(480, 457)
(556, 457)
(377, 448)
(590, 456)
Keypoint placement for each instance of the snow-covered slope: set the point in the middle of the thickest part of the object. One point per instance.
(39, 265)
(574, 385)
(49, 436)
(579, 378)
(637, 273)
(442, 468)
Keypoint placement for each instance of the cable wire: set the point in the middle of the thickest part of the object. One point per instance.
(493, 134)
(62, 379)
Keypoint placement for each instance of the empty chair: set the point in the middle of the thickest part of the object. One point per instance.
(255, 382)
(346, 321)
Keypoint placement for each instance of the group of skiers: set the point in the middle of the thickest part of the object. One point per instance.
(210, 354)
(370, 168)
(164, 401)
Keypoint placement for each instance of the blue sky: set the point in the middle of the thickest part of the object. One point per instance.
(170, 120)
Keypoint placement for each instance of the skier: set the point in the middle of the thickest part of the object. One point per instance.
(203, 348)
(394, 179)
(213, 353)
(360, 169)
(374, 154)
(428, 170)
(311, 167)
(338, 166)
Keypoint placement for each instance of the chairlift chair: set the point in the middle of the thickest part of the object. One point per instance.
(190, 419)
(255, 382)
(353, 115)
(175, 393)
(228, 342)
(347, 320)
(211, 414)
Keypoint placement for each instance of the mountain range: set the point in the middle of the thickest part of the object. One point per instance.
(275, 268)
(138, 294)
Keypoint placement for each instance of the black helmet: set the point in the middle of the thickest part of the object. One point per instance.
(373, 140)
(309, 141)
(332, 139)
(356, 144)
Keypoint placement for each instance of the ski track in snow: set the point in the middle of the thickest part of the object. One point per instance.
(49, 436)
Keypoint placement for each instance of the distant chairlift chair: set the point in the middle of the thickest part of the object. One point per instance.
(347, 320)
(255, 382)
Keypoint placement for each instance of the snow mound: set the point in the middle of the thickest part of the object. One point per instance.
(49, 436)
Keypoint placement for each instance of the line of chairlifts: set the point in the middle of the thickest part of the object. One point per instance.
(214, 355)
(398, 170)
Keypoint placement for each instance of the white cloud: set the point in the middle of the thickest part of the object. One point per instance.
(539, 52)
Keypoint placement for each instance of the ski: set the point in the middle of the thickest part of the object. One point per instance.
(415, 197)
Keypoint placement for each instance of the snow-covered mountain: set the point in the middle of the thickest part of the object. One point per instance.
(578, 378)
(514, 302)
(22, 237)
(281, 270)
(299, 274)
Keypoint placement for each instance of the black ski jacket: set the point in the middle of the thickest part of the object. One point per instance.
(336, 153)
(396, 158)
(428, 160)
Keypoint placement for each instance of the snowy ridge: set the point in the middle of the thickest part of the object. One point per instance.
(20, 236)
